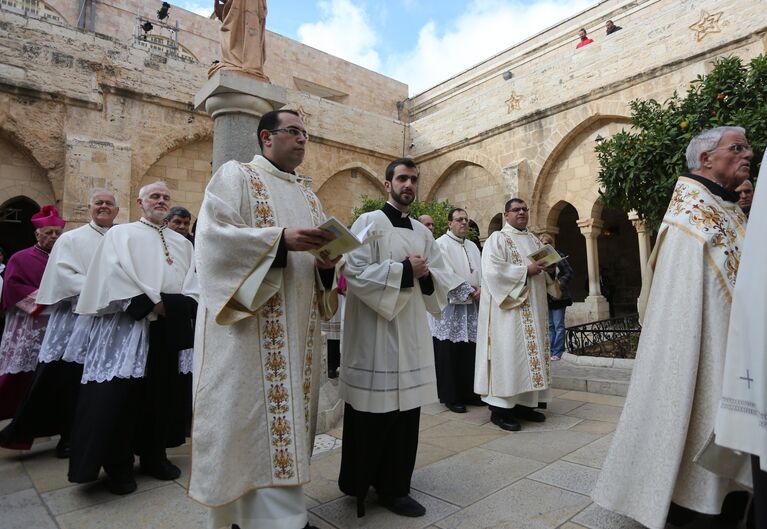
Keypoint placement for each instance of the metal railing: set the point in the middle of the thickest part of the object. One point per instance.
(615, 337)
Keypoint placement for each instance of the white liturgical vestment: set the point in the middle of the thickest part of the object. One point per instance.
(257, 343)
(62, 282)
(387, 360)
(512, 363)
(130, 261)
(676, 381)
(741, 423)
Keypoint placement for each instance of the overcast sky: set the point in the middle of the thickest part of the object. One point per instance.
(418, 42)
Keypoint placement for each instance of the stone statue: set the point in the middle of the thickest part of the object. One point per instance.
(243, 32)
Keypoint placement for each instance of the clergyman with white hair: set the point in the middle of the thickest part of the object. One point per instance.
(141, 290)
(48, 407)
(650, 472)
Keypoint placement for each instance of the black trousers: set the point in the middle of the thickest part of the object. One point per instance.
(760, 494)
(379, 449)
(454, 364)
(48, 407)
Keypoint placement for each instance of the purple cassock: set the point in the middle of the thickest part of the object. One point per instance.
(23, 333)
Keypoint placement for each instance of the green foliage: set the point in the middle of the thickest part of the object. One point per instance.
(638, 167)
(437, 210)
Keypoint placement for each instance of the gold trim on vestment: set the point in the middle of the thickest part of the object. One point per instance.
(536, 373)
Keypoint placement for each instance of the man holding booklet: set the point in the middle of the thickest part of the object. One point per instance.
(387, 362)
(512, 372)
(257, 349)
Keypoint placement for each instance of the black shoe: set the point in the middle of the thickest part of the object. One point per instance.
(404, 506)
(543, 405)
(477, 401)
(121, 482)
(505, 423)
(163, 470)
(456, 407)
(62, 449)
(527, 414)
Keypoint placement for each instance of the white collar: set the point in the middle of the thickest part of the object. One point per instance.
(269, 167)
(98, 228)
(455, 237)
(512, 229)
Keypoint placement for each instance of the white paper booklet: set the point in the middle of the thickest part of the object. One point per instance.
(547, 253)
(345, 241)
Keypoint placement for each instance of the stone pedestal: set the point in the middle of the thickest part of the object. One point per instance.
(236, 103)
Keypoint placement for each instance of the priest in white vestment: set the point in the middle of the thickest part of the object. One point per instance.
(740, 422)
(387, 359)
(141, 289)
(455, 333)
(258, 347)
(50, 403)
(512, 372)
(676, 382)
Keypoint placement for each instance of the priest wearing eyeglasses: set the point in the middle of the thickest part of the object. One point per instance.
(455, 333)
(651, 468)
(512, 372)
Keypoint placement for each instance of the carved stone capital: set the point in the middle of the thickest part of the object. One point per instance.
(591, 228)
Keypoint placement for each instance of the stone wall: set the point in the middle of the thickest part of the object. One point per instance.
(343, 191)
(21, 176)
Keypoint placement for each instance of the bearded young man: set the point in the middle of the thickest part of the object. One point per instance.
(387, 361)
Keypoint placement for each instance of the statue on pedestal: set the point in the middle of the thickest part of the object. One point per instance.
(243, 32)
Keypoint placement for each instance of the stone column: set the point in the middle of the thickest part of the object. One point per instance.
(236, 103)
(643, 238)
(596, 304)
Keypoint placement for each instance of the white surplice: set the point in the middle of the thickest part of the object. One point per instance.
(387, 360)
(741, 423)
(513, 364)
(677, 377)
(62, 282)
(257, 356)
(459, 318)
(129, 262)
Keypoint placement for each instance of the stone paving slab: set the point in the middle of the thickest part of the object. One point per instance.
(595, 398)
(525, 504)
(343, 513)
(591, 455)
(428, 454)
(458, 435)
(552, 423)
(166, 507)
(598, 427)
(546, 447)
(324, 484)
(430, 421)
(24, 510)
(471, 475)
(597, 412)
(13, 478)
(47, 473)
(568, 476)
(562, 406)
(595, 517)
(76, 497)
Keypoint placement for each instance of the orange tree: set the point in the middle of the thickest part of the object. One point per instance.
(437, 210)
(638, 167)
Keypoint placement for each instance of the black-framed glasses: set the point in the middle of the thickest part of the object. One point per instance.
(293, 131)
(736, 148)
(520, 209)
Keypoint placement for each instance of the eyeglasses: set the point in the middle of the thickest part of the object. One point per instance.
(736, 148)
(461, 220)
(520, 209)
(293, 131)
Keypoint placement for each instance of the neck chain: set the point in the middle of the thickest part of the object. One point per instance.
(39, 249)
(462, 242)
(160, 230)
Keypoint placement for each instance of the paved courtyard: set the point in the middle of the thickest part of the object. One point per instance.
(469, 474)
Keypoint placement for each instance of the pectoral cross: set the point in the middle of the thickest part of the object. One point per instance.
(747, 378)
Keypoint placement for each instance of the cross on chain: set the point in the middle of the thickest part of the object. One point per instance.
(748, 379)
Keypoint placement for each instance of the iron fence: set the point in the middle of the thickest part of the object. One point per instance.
(615, 337)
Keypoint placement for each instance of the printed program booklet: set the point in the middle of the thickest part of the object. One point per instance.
(547, 253)
(345, 241)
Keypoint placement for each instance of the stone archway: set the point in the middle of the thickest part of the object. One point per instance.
(472, 187)
(186, 170)
(343, 191)
(16, 230)
(619, 262)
